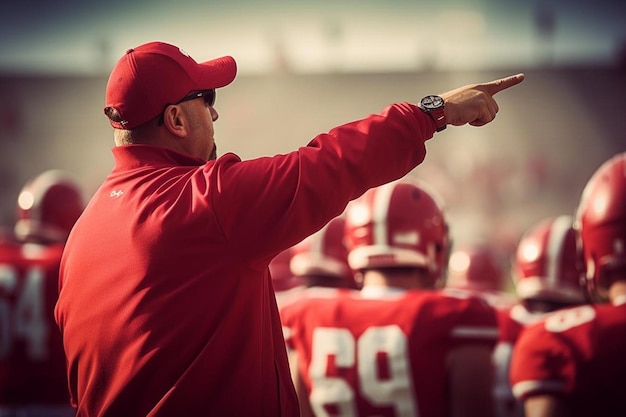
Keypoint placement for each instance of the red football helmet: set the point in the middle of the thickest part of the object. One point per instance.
(47, 207)
(324, 254)
(545, 266)
(476, 266)
(398, 224)
(601, 225)
(282, 278)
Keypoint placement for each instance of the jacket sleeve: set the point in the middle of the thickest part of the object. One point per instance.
(282, 199)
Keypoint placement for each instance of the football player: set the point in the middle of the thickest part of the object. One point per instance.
(318, 261)
(546, 280)
(479, 268)
(321, 259)
(32, 362)
(400, 346)
(572, 362)
(285, 284)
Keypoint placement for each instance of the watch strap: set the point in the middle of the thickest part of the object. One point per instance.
(437, 113)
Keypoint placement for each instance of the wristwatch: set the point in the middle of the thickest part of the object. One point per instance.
(433, 106)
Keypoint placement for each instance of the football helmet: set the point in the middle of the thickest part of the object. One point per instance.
(324, 254)
(476, 266)
(282, 278)
(47, 207)
(545, 266)
(600, 224)
(399, 224)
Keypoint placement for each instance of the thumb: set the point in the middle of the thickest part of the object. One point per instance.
(496, 86)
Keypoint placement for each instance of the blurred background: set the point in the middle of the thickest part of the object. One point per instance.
(305, 67)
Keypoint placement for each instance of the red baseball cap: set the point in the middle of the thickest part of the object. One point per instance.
(154, 75)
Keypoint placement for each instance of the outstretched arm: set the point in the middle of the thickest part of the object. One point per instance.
(474, 103)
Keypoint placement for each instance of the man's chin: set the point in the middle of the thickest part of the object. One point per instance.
(213, 155)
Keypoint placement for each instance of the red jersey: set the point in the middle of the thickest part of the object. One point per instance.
(32, 361)
(382, 353)
(577, 354)
(500, 300)
(511, 322)
(166, 303)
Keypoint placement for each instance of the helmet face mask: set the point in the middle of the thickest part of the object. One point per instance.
(600, 225)
(596, 272)
(400, 224)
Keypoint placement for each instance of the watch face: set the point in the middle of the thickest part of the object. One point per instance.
(432, 102)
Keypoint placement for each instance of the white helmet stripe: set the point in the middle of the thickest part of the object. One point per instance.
(556, 239)
(382, 199)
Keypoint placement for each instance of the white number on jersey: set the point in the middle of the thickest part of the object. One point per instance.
(394, 390)
(23, 318)
(563, 320)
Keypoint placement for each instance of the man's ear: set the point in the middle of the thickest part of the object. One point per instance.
(175, 120)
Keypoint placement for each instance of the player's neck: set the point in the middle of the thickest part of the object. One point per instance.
(402, 279)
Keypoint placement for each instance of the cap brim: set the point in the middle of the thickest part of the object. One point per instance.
(217, 73)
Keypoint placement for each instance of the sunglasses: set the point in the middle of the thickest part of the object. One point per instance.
(207, 95)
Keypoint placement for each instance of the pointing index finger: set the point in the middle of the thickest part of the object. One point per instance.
(496, 86)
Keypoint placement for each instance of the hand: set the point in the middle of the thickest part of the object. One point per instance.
(474, 103)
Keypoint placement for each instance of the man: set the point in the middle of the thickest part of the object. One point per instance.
(572, 363)
(166, 304)
(546, 280)
(319, 261)
(32, 362)
(399, 347)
